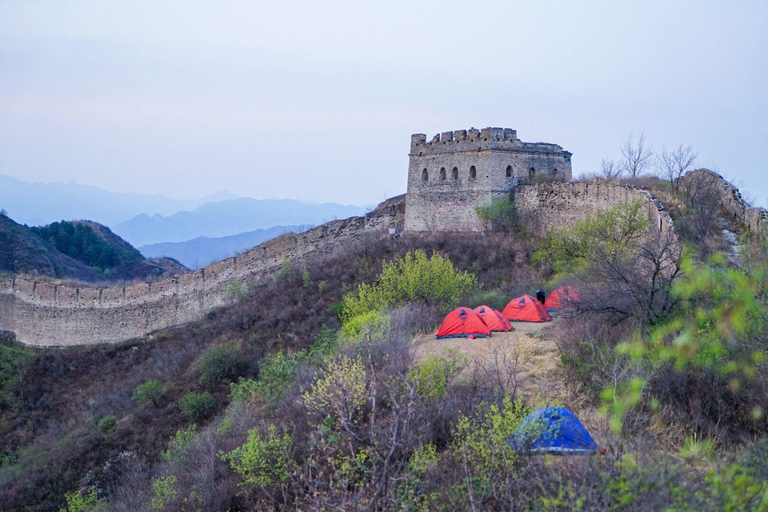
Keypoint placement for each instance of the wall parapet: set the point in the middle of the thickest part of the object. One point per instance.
(45, 313)
(562, 204)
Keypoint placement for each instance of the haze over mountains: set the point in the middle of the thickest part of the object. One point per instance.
(202, 251)
(42, 203)
(230, 217)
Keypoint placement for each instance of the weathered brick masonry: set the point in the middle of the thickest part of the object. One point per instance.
(457, 171)
(47, 313)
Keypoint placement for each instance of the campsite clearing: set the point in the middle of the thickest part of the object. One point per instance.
(527, 358)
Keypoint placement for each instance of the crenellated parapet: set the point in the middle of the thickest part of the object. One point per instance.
(457, 171)
(59, 313)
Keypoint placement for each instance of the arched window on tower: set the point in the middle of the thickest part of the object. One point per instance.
(531, 174)
(509, 171)
(455, 173)
(424, 175)
(442, 173)
(472, 173)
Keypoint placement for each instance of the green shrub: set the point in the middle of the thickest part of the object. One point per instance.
(106, 423)
(415, 278)
(197, 406)
(220, 363)
(179, 443)
(148, 392)
(500, 215)
(79, 501)
(164, 492)
(435, 374)
(371, 326)
(263, 461)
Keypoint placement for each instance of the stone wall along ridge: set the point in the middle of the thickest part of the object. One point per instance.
(50, 313)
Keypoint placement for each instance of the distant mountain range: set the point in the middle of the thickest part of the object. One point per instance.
(230, 217)
(203, 251)
(37, 204)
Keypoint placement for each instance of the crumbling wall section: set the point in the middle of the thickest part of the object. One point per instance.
(562, 204)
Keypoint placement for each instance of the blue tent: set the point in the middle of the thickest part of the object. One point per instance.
(553, 430)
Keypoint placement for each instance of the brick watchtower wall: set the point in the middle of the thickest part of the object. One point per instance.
(457, 171)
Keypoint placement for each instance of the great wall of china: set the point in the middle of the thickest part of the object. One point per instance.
(42, 312)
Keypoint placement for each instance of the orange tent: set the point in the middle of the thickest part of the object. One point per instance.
(560, 297)
(493, 319)
(460, 323)
(525, 309)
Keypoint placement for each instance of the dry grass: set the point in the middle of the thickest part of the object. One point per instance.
(527, 352)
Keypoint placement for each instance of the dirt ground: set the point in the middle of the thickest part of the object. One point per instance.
(526, 359)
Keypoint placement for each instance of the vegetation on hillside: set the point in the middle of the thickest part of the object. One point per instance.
(304, 393)
(79, 241)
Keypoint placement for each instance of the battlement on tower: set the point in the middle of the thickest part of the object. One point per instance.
(457, 171)
(486, 139)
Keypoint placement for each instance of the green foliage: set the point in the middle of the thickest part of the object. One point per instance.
(482, 441)
(80, 242)
(500, 215)
(367, 327)
(411, 494)
(719, 328)
(286, 271)
(435, 374)
(276, 373)
(149, 392)
(306, 277)
(164, 492)
(263, 461)
(415, 278)
(197, 406)
(106, 423)
(341, 391)
(236, 290)
(614, 234)
(179, 443)
(79, 501)
(220, 363)
(15, 362)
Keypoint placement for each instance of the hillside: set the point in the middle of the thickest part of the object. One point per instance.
(202, 251)
(22, 251)
(80, 250)
(324, 388)
(231, 217)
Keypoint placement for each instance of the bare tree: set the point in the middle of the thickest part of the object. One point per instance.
(636, 158)
(609, 169)
(673, 164)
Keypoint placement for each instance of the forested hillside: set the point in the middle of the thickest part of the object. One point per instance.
(81, 250)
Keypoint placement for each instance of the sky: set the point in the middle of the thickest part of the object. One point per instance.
(317, 100)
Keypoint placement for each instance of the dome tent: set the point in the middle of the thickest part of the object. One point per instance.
(560, 297)
(493, 319)
(553, 430)
(460, 323)
(525, 309)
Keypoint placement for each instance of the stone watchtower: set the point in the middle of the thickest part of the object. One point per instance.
(457, 171)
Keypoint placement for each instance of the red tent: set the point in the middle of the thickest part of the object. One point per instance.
(460, 323)
(560, 297)
(493, 319)
(525, 309)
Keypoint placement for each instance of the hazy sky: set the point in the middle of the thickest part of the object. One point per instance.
(317, 100)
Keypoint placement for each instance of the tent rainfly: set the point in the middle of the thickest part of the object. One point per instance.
(560, 297)
(462, 322)
(525, 309)
(493, 319)
(553, 430)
